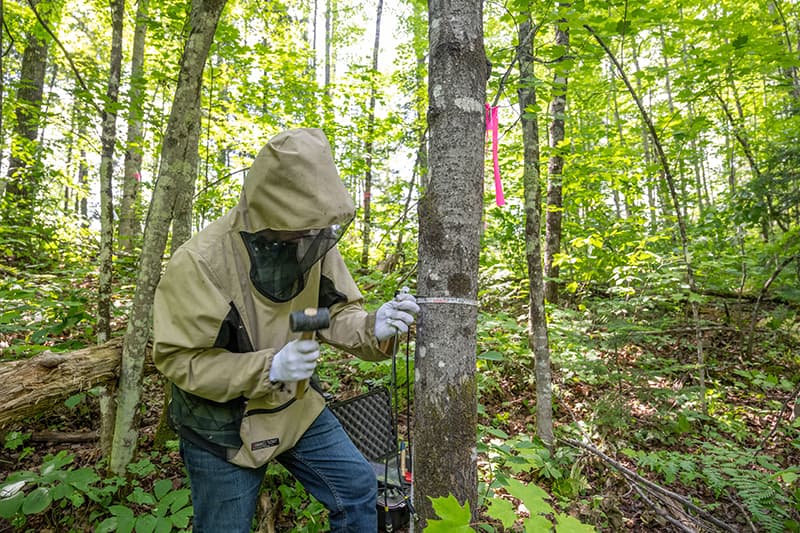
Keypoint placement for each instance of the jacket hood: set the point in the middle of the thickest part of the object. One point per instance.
(294, 185)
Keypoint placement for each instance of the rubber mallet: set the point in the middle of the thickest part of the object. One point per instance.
(307, 322)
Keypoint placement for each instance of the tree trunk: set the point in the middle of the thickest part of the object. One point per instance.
(789, 72)
(329, 10)
(618, 202)
(29, 387)
(22, 184)
(537, 334)
(328, 112)
(176, 174)
(182, 214)
(2, 94)
(555, 168)
(369, 147)
(81, 200)
(698, 156)
(129, 224)
(445, 396)
(108, 139)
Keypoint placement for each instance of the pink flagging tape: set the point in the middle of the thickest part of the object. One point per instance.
(492, 125)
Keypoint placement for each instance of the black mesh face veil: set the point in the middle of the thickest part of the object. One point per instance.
(280, 260)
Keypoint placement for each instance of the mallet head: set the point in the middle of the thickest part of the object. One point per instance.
(310, 319)
(307, 322)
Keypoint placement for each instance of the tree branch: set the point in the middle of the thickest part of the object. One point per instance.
(761, 295)
(661, 512)
(533, 31)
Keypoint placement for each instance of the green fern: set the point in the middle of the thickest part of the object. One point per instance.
(730, 473)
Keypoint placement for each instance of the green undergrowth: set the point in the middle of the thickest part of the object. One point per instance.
(625, 381)
(46, 307)
(60, 496)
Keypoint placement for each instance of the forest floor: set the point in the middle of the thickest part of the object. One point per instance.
(631, 396)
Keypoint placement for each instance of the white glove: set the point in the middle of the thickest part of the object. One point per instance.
(395, 316)
(295, 361)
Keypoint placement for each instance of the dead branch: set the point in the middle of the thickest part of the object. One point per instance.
(60, 437)
(661, 512)
(731, 295)
(630, 474)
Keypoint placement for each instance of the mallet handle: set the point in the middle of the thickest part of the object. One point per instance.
(300, 391)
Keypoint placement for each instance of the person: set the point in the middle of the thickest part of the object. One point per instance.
(222, 337)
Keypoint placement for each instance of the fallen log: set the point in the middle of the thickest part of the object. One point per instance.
(62, 437)
(29, 387)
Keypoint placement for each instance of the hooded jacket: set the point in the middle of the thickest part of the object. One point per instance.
(215, 334)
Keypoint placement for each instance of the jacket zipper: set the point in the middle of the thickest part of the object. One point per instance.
(265, 411)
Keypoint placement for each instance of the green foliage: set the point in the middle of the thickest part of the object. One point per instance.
(41, 311)
(170, 510)
(510, 458)
(308, 514)
(453, 516)
(521, 455)
(63, 495)
(756, 481)
(15, 439)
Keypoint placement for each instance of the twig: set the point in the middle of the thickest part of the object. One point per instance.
(674, 521)
(501, 86)
(267, 509)
(657, 488)
(741, 510)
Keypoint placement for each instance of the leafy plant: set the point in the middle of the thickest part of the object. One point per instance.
(762, 486)
(15, 439)
(453, 516)
(60, 495)
(541, 516)
(523, 455)
(166, 509)
(308, 514)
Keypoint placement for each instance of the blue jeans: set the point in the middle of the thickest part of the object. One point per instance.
(325, 461)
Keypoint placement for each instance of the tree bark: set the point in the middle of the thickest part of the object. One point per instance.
(29, 387)
(109, 139)
(537, 333)
(177, 172)
(22, 182)
(129, 224)
(369, 147)
(555, 168)
(328, 113)
(445, 459)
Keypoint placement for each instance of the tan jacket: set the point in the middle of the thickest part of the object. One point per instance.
(215, 335)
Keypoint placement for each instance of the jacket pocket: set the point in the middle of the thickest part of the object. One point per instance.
(268, 429)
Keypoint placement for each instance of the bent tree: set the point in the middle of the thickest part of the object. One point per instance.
(177, 174)
(449, 245)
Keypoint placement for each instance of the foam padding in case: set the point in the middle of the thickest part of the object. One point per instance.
(367, 419)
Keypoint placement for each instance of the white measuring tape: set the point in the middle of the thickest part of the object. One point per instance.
(448, 300)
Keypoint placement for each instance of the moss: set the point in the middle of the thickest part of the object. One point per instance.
(445, 460)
